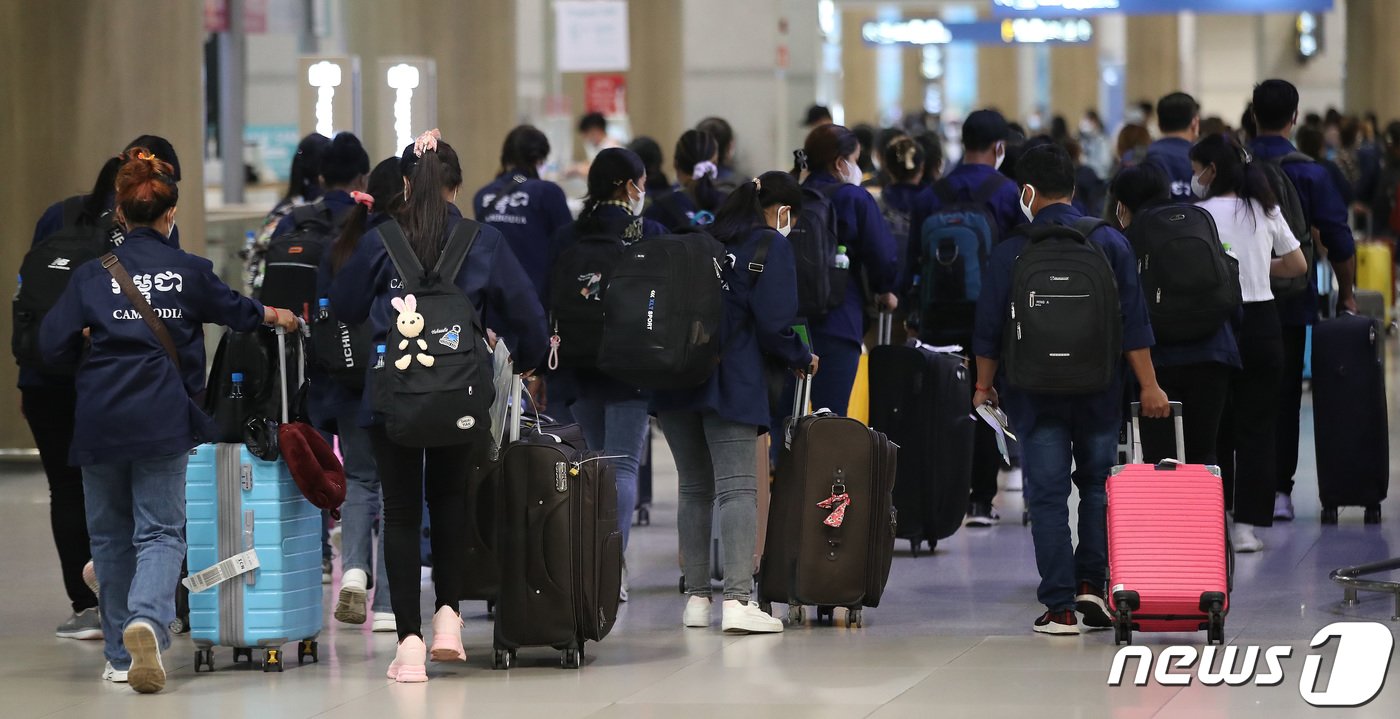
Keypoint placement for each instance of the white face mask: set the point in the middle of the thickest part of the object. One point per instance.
(1001, 155)
(1198, 188)
(852, 175)
(784, 227)
(1026, 204)
(1119, 213)
(640, 201)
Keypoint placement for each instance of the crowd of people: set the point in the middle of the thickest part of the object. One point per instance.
(115, 436)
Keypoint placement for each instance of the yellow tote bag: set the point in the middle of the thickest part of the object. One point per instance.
(859, 407)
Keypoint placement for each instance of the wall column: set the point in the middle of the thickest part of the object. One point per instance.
(859, 94)
(1074, 80)
(65, 112)
(1154, 57)
(1371, 54)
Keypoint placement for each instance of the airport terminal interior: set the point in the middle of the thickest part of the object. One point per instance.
(235, 85)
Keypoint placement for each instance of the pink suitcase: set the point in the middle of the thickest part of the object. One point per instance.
(1169, 560)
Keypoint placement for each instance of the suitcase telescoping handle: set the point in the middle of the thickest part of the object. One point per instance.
(302, 331)
(515, 409)
(802, 397)
(1135, 453)
(886, 328)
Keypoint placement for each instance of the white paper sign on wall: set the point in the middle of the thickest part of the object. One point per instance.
(591, 35)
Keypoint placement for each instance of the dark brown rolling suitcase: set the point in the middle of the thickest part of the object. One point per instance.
(831, 524)
(559, 546)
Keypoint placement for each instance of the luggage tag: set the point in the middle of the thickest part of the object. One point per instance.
(838, 503)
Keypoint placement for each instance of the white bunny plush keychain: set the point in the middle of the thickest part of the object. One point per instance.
(410, 324)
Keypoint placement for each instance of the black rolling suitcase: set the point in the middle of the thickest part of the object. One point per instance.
(1349, 416)
(831, 524)
(920, 400)
(559, 546)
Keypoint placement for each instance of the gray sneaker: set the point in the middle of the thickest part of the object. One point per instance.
(82, 625)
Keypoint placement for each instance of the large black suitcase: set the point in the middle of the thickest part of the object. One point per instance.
(559, 547)
(1349, 415)
(920, 400)
(816, 553)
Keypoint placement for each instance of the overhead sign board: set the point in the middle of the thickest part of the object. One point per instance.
(1077, 8)
(931, 31)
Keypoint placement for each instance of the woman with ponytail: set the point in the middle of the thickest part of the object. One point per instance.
(613, 415)
(1236, 192)
(47, 400)
(711, 429)
(693, 200)
(136, 416)
(525, 208)
(828, 166)
(303, 188)
(363, 290)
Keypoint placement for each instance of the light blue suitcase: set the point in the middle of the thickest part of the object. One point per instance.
(244, 512)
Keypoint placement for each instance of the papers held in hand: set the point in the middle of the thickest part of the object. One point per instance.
(996, 419)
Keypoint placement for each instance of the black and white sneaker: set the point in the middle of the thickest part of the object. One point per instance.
(1090, 603)
(1061, 623)
(981, 514)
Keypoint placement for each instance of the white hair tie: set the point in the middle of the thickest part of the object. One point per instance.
(705, 169)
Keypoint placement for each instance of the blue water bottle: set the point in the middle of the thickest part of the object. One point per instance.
(236, 392)
(323, 308)
(379, 351)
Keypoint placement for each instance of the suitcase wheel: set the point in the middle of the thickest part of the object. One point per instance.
(1373, 514)
(1329, 515)
(797, 614)
(308, 648)
(242, 655)
(502, 659)
(272, 660)
(203, 660)
(490, 609)
(681, 585)
(1122, 629)
(826, 615)
(767, 607)
(855, 618)
(571, 658)
(178, 626)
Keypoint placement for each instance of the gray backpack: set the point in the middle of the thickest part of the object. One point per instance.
(1292, 209)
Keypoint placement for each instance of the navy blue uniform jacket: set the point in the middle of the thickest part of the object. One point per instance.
(132, 404)
(673, 209)
(1324, 209)
(491, 277)
(1004, 207)
(1100, 411)
(1172, 155)
(591, 383)
(869, 245)
(759, 323)
(528, 212)
(327, 399)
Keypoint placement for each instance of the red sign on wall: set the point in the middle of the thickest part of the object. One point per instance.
(254, 16)
(605, 93)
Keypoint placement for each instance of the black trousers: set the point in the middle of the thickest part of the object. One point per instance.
(1248, 430)
(1290, 397)
(49, 412)
(407, 475)
(1202, 390)
(986, 458)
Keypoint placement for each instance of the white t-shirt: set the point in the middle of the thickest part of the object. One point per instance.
(1253, 237)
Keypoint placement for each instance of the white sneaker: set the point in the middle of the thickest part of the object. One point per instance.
(147, 673)
(350, 606)
(747, 618)
(697, 611)
(622, 592)
(384, 622)
(114, 675)
(1244, 539)
(1283, 507)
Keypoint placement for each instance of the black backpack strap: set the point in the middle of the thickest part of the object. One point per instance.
(760, 255)
(316, 212)
(943, 190)
(73, 209)
(401, 254)
(1293, 157)
(989, 187)
(1086, 225)
(454, 253)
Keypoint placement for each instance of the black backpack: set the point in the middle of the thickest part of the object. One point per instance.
(662, 312)
(253, 355)
(436, 386)
(1064, 333)
(954, 245)
(821, 286)
(1192, 286)
(341, 351)
(1292, 209)
(291, 260)
(44, 275)
(577, 285)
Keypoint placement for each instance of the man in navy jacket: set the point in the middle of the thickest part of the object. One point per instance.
(1179, 118)
(1276, 113)
(1057, 430)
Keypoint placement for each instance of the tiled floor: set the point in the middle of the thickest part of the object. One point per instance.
(951, 639)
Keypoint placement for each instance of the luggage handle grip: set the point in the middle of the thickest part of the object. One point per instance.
(1135, 441)
(302, 332)
(886, 330)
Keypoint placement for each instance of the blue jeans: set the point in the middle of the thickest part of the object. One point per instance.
(1047, 449)
(136, 521)
(840, 359)
(716, 461)
(362, 507)
(617, 429)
